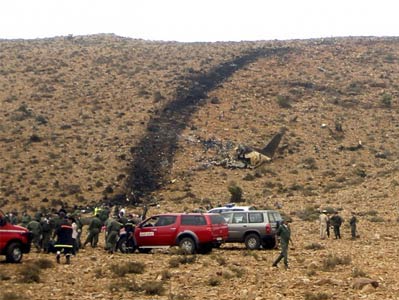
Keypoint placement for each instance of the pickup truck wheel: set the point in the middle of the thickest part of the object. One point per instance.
(14, 253)
(252, 241)
(187, 245)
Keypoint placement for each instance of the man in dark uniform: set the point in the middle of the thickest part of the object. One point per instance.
(336, 222)
(64, 242)
(284, 232)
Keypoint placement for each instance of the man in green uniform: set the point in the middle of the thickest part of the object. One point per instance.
(25, 219)
(94, 231)
(36, 229)
(113, 229)
(47, 231)
(284, 232)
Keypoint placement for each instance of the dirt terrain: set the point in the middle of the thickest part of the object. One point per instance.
(92, 119)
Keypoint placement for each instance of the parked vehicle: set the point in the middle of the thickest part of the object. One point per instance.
(192, 232)
(14, 240)
(230, 207)
(254, 228)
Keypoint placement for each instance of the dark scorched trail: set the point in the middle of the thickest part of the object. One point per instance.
(154, 153)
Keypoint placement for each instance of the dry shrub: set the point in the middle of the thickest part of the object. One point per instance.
(332, 261)
(314, 246)
(239, 272)
(214, 281)
(166, 275)
(124, 285)
(30, 274)
(128, 268)
(356, 272)
(174, 262)
(43, 263)
(153, 287)
(317, 296)
(179, 297)
(12, 296)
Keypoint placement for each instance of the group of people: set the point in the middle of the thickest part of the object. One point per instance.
(335, 221)
(284, 232)
(61, 232)
(58, 232)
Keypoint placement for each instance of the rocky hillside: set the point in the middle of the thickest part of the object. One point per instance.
(91, 119)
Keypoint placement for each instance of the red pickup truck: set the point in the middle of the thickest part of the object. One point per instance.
(192, 232)
(14, 240)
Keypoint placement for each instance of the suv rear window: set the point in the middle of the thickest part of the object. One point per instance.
(217, 219)
(255, 217)
(193, 220)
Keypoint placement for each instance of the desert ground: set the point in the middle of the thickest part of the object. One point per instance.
(86, 120)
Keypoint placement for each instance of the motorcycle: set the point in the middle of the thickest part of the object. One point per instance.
(126, 243)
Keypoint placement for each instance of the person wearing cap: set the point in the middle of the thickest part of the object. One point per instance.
(284, 232)
(323, 218)
(352, 223)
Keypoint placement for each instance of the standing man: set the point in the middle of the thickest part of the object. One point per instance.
(113, 229)
(64, 242)
(284, 232)
(25, 219)
(47, 231)
(36, 229)
(323, 224)
(352, 223)
(94, 231)
(336, 222)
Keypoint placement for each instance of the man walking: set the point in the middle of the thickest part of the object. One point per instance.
(336, 222)
(284, 232)
(64, 242)
(94, 231)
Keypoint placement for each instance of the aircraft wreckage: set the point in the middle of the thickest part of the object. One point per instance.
(248, 157)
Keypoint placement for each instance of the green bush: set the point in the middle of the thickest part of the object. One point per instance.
(283, 101)
(386, 100)
(236, 193)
